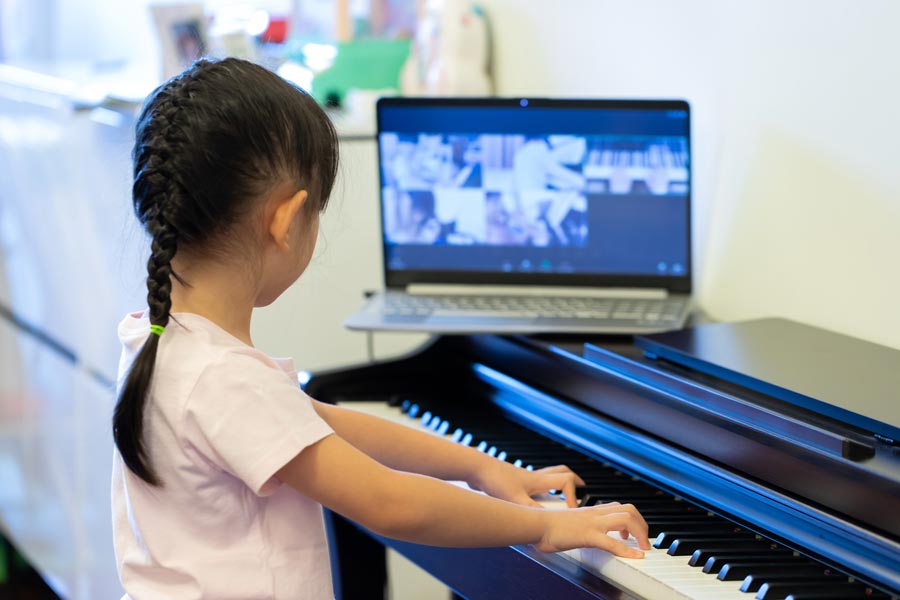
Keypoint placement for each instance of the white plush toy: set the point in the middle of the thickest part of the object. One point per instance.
(451, 52)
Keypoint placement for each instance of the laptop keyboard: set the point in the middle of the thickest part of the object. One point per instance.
(643, 311)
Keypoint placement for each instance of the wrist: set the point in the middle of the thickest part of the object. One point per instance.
(481, 469)
(541, 523)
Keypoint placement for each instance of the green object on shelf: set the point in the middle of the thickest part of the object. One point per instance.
(368, 64)
(4, 563)
(18, 561)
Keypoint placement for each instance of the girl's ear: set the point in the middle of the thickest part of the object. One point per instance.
(283, 216)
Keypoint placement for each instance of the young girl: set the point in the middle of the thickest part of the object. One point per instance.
(223, 464)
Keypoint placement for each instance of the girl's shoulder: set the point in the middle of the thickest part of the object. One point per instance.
(220, 352)
(197, 357)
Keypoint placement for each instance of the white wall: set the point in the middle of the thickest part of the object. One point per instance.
(305, 322)
(796, 125)
(796, 114)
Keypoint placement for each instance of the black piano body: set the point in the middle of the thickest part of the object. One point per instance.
(827, 490)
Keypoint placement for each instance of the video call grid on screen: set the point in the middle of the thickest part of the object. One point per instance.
(566, 189)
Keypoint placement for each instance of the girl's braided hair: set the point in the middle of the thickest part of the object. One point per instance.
(208, 143)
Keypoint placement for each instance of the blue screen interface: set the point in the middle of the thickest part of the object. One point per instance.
(535, 189)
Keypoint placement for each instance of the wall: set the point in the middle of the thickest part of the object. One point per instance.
(797, 199)
(305, 322)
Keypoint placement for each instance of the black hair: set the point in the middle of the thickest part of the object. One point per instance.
(208, 143)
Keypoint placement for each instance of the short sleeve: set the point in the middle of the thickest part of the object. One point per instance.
(250, 419)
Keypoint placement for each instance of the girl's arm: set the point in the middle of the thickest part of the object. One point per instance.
(423, 510)
(406, 449)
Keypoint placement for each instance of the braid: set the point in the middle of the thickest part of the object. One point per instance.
(159, 269)
(208, 144)
(160, 194)
(156, 194)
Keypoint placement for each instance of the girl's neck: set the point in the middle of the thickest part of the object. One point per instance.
(218, 293)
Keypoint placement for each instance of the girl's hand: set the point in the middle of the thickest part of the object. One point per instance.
(502, 480)
(588, 527)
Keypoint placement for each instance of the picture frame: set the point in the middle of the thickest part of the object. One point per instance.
(182, 31)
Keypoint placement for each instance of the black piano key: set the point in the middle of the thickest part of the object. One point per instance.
(531, 449)
(617, 493)
(592, 498)
(678, 514)
(539, 459)
(738, 570)
(592, 480)
(656, 526)
(605, 485)
(661, 518)
(787, 574)
(812, 589)
(716, 563)
(589, 494)
(686, 546)
(868, 594)
(657, 507)
(665, 539)
(601, 477)
(639, 499)
(603, 489)
(701, 529)
(742, 550)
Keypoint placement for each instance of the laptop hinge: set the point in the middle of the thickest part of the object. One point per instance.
(427, 289)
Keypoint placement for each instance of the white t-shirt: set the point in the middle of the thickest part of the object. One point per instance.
(220, 420)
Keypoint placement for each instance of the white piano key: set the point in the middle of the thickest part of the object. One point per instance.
(607, 158)
(657, 575)
(654, 156)
(667, 160)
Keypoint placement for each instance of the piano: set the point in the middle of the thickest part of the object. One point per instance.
(746, 496)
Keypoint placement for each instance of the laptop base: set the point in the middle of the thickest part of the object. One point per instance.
(391, 311)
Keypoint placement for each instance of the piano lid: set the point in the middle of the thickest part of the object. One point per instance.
(840, 377)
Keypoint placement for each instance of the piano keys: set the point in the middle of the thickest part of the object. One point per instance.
(709, 543)
(632, 166)
(680, 528)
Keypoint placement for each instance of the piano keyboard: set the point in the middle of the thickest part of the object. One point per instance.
(698, 555)
(615, 167)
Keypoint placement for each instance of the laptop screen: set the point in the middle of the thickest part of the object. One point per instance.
(535, 191)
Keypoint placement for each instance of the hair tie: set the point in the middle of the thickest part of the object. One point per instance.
(157, 329)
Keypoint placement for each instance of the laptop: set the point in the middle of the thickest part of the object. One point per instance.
(522, 215)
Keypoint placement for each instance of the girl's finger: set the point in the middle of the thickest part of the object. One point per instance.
(568, 491)
(555, 469)
(629, 508)
(613, 546)
(608, 507)
(564, 482)
(526, 500)
(544, 483)
(563, 469)
(627, 523)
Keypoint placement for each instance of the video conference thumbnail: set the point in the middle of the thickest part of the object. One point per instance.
(516, 190)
